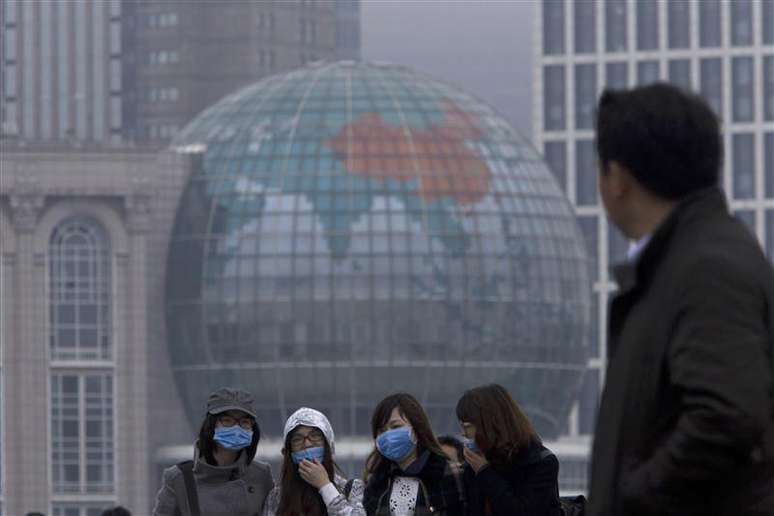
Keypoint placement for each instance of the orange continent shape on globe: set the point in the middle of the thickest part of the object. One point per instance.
(438, 156)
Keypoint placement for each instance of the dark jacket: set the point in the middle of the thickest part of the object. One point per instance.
(236, 490)
(441, 492)
(687, 408)
(529, 486)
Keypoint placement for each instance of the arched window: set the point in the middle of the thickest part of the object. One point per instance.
(80, 291)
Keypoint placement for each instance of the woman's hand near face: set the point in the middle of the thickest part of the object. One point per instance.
(476, 460)
(313, 473)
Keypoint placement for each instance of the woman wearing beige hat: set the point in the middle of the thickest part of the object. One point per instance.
(311, 483)
(222, 478)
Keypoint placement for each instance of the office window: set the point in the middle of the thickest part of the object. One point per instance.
(115, 112)
(647, 24)
(10, 12)
(768, 88)
(770, 234)
(680, 73)
(615, 25)
(82, 435)
(679, 15)
(586, 173)
(617, 75)
(80, 291)
(115, 75)
(748, 219)
(742, 92)
(741, 22)
(63, 71)
(588, 404)
(10, 43)
(590, 230)
(585, 26)
(585, 95)
(768, 163)
(710, 23)
(767, 16)
(115, 38)
(556, 158)
(743, 166)
(80, 509)
(554, 99)
(553, 28)
(9, 80)
(115, 8)
(711, 83)
(647, 72)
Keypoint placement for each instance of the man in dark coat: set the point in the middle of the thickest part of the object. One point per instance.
(686, 421)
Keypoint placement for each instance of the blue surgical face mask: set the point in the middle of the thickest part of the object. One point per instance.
(312, 454)
(396, 444)
(233, 437)
(470, 444)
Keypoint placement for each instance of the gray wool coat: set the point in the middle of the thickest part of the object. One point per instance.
(236, 490)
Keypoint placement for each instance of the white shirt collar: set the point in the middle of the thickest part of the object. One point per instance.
(635, 248)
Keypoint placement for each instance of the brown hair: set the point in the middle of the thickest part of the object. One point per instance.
(297, 497)
(412, 411)
(502, 429)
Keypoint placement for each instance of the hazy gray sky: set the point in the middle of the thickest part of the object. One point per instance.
(484, 47)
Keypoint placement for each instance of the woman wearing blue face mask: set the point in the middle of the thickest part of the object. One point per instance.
(222, 478)
(311, 483)
(509, 472)
(408, 473)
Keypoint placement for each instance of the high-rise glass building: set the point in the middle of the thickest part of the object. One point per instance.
(722, 49)
(126, 70)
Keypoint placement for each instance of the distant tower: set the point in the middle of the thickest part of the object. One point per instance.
(123, 70)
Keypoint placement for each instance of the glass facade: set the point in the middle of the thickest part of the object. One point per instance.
(585, 173)
(556, 158)
(617, 75)
(647, 72)
(741, 22)
(711, 83)
(589, 229)
(354, 229)
(680, 73)
(615, 25)
(589, 405)
(743, 147)
(78, 509)
(767, 19)
(82, 434)
(710, 16)
(742, 89)
(80, 276)
(768, 88)
(585, 17)
(585, 95)
(554, 111)
(679, 15)
(770, 234)
(748, 219)
(647, 24)
(768, 163)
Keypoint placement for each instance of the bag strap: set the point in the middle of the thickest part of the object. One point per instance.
(348, 487)
(190, 486)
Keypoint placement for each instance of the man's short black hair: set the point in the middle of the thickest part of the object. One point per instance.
(117, 511)
(669, 139)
